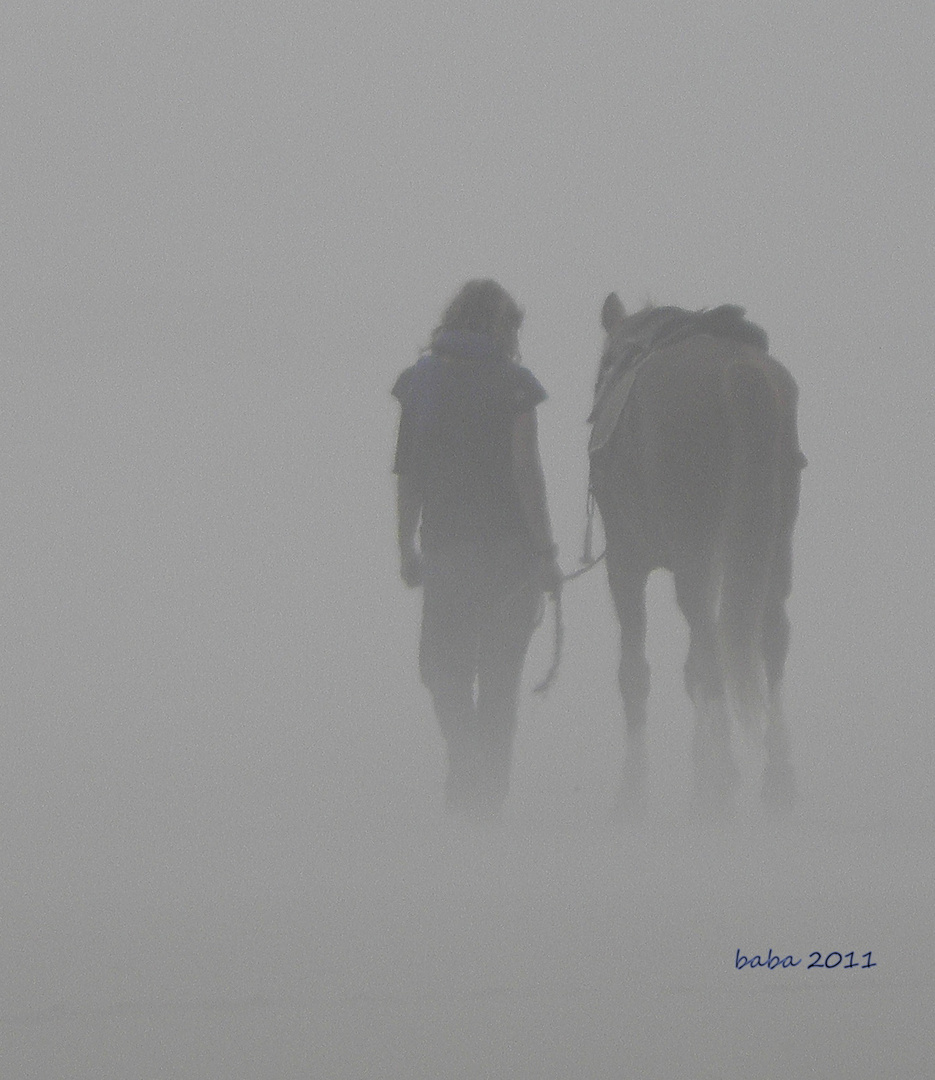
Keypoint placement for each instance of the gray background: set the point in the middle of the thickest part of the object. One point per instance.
(226, 227)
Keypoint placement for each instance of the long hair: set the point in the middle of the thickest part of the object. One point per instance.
(483, 307)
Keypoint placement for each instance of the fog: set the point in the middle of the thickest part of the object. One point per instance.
(226, 228)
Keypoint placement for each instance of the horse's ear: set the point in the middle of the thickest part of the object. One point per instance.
(613, 312)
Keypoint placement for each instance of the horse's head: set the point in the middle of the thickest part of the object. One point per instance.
(613, 313)
(626, 335)
(613, 319)
(630, 337)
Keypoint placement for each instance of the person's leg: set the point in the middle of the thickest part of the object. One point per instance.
(447, 665)
(510, 617)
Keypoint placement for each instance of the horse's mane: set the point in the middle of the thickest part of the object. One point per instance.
(730, 321)
(653, 326)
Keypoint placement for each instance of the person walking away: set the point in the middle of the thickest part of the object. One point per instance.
(470, 482)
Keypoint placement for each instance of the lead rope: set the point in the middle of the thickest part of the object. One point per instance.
(543, 686)
(588, 563)
(586, 557)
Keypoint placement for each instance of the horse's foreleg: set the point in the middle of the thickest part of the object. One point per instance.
(779, 786)
(779, 783)
(628, 588)
(715, 771)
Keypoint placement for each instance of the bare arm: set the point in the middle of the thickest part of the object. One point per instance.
(530, 486)
(529, 480)
(408, 510)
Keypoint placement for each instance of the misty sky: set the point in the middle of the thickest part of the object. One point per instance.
(228, 225)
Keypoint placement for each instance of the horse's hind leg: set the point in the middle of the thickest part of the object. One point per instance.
(715, 772)
(779, 786)
(628, 588)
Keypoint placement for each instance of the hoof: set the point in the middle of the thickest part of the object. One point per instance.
(629, 806)
(779, 788)
(714, 800)
(713, 808)
(630, 803)
(714, 790)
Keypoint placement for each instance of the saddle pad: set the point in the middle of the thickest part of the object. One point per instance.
(608, 409)
(653, 330)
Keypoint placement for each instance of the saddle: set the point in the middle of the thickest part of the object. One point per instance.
(649, 332)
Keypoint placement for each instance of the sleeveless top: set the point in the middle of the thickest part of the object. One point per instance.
(455, 441)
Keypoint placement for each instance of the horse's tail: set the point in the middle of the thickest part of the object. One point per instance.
(751, 526)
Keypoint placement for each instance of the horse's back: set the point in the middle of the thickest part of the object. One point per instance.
(684, 398)
(665, 478)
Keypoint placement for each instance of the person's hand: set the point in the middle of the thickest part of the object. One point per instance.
(410, 567)
(548, 574)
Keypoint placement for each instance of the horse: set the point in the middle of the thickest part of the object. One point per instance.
(695, 468)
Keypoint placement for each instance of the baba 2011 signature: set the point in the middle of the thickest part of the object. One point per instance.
(776, 961)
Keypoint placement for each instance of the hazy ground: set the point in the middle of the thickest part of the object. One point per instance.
(382, 944)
